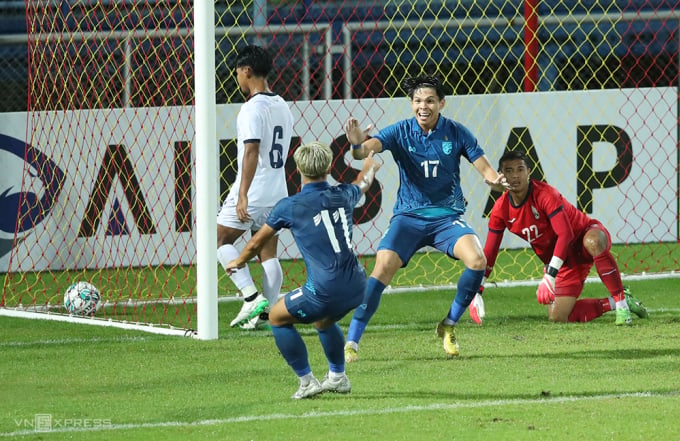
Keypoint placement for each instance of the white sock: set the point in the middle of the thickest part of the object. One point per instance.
(621, 305)
(272, 279)
(241, 278)
(354, 345)
(612, 303)
(306, 379)
(335, 375)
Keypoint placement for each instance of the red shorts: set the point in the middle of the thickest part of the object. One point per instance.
(572, 276)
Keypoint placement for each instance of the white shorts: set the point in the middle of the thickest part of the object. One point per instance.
(227, 217)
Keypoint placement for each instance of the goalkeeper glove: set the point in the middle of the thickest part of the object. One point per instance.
(545, 294)
(476, 307)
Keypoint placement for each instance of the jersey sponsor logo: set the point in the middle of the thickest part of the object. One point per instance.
(535, 211)
(447, 146)
(411, 149)
(512, 220)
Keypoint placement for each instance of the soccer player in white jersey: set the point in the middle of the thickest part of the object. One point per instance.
(265, 127)
(320, 219)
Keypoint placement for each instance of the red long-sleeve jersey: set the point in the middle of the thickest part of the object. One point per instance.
(544, 219)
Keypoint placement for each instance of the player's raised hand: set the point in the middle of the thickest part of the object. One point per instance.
(354, 133)
(499, 184)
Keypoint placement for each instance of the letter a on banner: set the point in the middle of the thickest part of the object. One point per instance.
(116, 162)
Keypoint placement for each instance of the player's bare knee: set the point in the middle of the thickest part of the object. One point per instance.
(595, 242)
(386, 266)
(324, 324)
(557, 316)
(280, 318)
(221, 239)
(269, 250)
(476, 263)
(384, 274)
(227, 236)
(558, 319)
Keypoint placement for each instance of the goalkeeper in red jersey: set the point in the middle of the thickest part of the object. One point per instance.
(566, 240)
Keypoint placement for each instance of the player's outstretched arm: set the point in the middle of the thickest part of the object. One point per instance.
(367, 173)
(361, 143)
(252, 248)
(492, 178)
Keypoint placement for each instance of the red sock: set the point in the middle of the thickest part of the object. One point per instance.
(609, 274)
(586, 310)
(606, 306)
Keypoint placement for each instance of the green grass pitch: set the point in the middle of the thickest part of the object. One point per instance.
(519, 377)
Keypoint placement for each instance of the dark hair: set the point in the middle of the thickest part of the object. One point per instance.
(410, 85)
(255, 57)
(512, 155)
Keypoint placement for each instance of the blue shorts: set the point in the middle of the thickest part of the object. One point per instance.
(309, 307)
(408, 233)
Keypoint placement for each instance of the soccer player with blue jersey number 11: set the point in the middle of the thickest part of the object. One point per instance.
(320, 219)
(430, 204)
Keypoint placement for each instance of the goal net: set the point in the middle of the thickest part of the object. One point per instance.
(101, 181)
(101, 162)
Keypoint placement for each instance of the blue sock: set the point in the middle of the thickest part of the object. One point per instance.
(364, 312)
(333, 341)
(292, 348)
(468, 284)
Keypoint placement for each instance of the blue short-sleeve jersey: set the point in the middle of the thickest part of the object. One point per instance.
(320, 219)
(429, 163)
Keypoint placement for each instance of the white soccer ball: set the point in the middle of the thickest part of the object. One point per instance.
(82, 298)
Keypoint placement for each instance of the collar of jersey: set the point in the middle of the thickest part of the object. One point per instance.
(314, 186)
(261, 93)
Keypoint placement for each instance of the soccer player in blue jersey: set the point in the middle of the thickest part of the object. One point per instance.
(320, 218)
(430, 204)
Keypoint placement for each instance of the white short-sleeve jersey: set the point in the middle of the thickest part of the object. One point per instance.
(267, 119)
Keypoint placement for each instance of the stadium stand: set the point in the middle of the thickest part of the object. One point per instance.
(482, 52)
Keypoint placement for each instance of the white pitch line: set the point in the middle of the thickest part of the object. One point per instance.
(356, 412)
(64, 341)
(302, 329)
